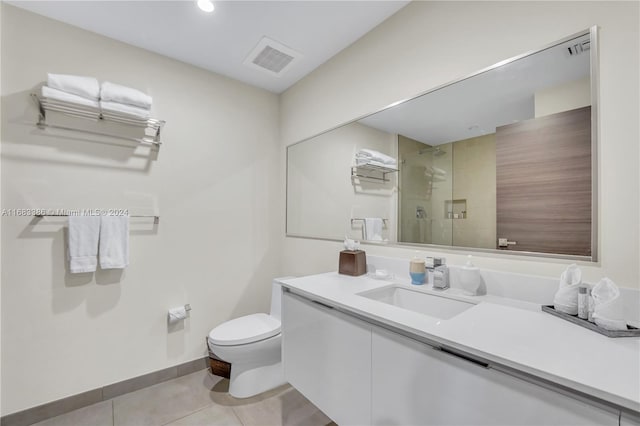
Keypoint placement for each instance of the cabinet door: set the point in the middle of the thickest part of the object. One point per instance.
(327, 357)
(629, 420)
(414, 384)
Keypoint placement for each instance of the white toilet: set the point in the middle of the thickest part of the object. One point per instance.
(252, 344)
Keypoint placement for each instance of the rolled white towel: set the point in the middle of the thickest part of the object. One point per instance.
(87, 87)
(111, 92)
(124, 110)
(376, 156)
(59, 95)
(608, 311)
(566, 299)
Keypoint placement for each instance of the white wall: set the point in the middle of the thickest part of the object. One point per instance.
(430, 43)
(215, 186)
(319, 184)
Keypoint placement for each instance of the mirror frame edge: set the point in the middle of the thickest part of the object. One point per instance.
(595, 143)
(595, 87)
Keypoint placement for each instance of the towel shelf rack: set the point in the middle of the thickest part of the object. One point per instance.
(372, 171)
(362, 219)
(147, 131)
(156, 219)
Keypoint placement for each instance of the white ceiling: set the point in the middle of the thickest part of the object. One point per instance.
(220, 41)
(478, 105)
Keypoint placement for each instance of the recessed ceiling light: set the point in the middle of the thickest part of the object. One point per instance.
(206, 5)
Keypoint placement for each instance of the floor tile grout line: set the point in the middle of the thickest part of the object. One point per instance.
(233, 410)
(191, 413)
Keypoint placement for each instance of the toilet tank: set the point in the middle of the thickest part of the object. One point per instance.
(276, 297)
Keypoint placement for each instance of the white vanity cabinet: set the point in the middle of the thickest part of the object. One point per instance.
(629, 420)
(416, 384)
(327, 357)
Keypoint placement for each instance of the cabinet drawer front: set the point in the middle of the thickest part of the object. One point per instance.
(327, 357)
(432, 387)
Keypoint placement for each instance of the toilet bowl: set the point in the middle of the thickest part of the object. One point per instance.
(252, 345)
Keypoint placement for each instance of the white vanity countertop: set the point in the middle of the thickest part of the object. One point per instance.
(509, 332)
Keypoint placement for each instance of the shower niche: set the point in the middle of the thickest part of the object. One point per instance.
(455, 209)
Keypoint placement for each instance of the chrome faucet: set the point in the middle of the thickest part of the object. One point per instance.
(438, 271)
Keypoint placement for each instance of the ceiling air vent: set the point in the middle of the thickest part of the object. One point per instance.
(579, 47)
(271, 57)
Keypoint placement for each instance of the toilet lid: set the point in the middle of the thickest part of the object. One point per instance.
(247, 329)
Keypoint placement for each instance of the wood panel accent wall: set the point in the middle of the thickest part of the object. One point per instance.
(543, 183)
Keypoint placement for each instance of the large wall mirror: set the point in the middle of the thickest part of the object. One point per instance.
(502, 160)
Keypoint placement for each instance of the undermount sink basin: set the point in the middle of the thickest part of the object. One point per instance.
(418, 301)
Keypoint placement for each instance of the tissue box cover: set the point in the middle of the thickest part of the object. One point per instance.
(352, 262)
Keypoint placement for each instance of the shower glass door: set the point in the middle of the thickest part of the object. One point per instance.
(425, 193)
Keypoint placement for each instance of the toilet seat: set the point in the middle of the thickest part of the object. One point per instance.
(243, 330)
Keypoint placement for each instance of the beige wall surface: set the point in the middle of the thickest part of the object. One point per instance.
(215, 186)
(319, 184)
(474, 180)
(568, 96)
(427, 44)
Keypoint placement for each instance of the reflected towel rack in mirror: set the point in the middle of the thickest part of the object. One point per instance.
(156, 219)
(364, 224)
(372, 171)
(362, 219)
(149, 129)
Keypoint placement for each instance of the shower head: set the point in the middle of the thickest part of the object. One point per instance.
(436, 150)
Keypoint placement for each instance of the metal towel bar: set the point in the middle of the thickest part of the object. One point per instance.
(156, 219)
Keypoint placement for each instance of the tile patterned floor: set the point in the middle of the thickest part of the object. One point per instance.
(197, 399)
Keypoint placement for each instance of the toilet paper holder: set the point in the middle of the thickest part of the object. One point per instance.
(179, 313)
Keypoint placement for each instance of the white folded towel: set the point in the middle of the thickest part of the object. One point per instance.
(369, 162)
(373, 228)
(66, 97)
(87, 87)
(114, 242)
(436, 171)
(608, 310)
(125, 110)
(83, 243)
(375, 156)
(112, 92)
(566, 299)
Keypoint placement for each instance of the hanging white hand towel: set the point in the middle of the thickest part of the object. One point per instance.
(87, 87)
(373, 228)
(84, 232)
(608, 311)
(114, 242)
(112, 92)
(566, 299)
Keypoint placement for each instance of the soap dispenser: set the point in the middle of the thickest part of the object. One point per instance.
(470, 278)
(417, 270)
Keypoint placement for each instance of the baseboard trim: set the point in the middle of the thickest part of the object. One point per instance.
(73, 402)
